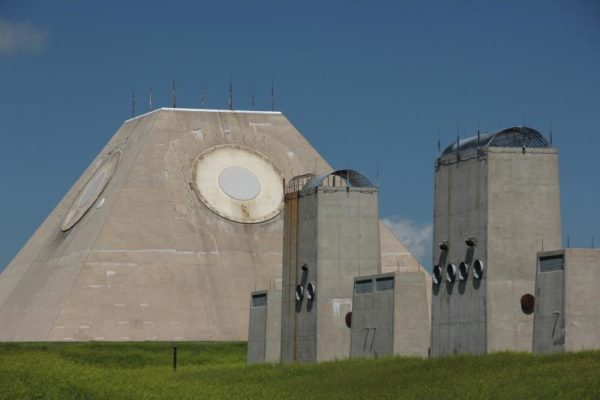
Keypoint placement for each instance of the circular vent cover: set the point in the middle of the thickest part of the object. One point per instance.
(91, 191)
(238, 184)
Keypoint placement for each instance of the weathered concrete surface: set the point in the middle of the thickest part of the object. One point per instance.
(582, 299)
(264, 331)
(392, 318)
(336, 237)
(523, 218)
(153, 262)
(567, 303)
(508, 200)
(549, 315)
(458, 308)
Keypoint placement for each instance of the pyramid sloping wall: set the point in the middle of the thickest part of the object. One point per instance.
(149, 260)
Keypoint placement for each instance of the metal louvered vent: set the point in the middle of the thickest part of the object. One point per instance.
(386, 283)
(259, 300)
(364, 286)
(552, 263)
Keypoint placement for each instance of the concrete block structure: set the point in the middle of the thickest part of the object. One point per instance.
(567, 301)
(165, 235)
(331, 234)
(264, 331)
(496, 205)
(390, 316)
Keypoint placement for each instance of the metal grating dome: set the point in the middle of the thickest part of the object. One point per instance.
(512, 137)
(348, 177)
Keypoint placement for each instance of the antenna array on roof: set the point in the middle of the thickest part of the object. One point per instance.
(253, 101)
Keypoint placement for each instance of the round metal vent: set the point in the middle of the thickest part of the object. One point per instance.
(527, 303)
(478, 269)
(238, 184)
(450, 273)
(463, 271)
(299, 293)
(311, 291)
(348, 319)
(437, 275)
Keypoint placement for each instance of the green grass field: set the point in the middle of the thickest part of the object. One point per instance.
(218, 371)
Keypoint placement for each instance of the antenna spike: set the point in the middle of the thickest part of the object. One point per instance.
(439, 142)
(254, 97)
(457, 140)
(173, 92)
(150, 99)
(230, 99)
(273, 95)
(202, 95)
(132, 102)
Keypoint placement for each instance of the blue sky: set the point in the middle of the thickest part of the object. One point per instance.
(369, 84)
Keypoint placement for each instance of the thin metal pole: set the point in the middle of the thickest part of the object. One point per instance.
(175, 358)
(132, 102)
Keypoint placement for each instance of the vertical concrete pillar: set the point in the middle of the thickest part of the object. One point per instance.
(331, 235)
(496, 205)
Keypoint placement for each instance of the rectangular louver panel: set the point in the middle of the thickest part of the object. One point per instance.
(364, 286)
(552, 263)
(259, 300)
(386, 283)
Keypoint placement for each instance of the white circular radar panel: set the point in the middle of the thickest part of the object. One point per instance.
(238, 184)
(91, 191)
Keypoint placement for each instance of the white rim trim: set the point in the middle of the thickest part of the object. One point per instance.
(238, 184)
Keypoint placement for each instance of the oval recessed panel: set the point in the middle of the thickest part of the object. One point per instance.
(91, 191)
(238, 184)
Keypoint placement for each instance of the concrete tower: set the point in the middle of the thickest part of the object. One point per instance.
(496, 206)
(165, 235)
(331, 235)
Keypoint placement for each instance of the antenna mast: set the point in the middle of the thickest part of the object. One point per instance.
(457, 141)
(173, 93)
(202, 95)
(273, 95)
(150, 99)
(132, 102)
(254, 98)
(230, 100)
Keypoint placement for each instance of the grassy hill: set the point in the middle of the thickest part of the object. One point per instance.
(218, 371)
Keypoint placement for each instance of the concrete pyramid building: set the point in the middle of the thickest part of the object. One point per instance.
(166, 233)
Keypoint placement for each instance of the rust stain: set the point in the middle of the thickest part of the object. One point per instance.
(245, 211)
